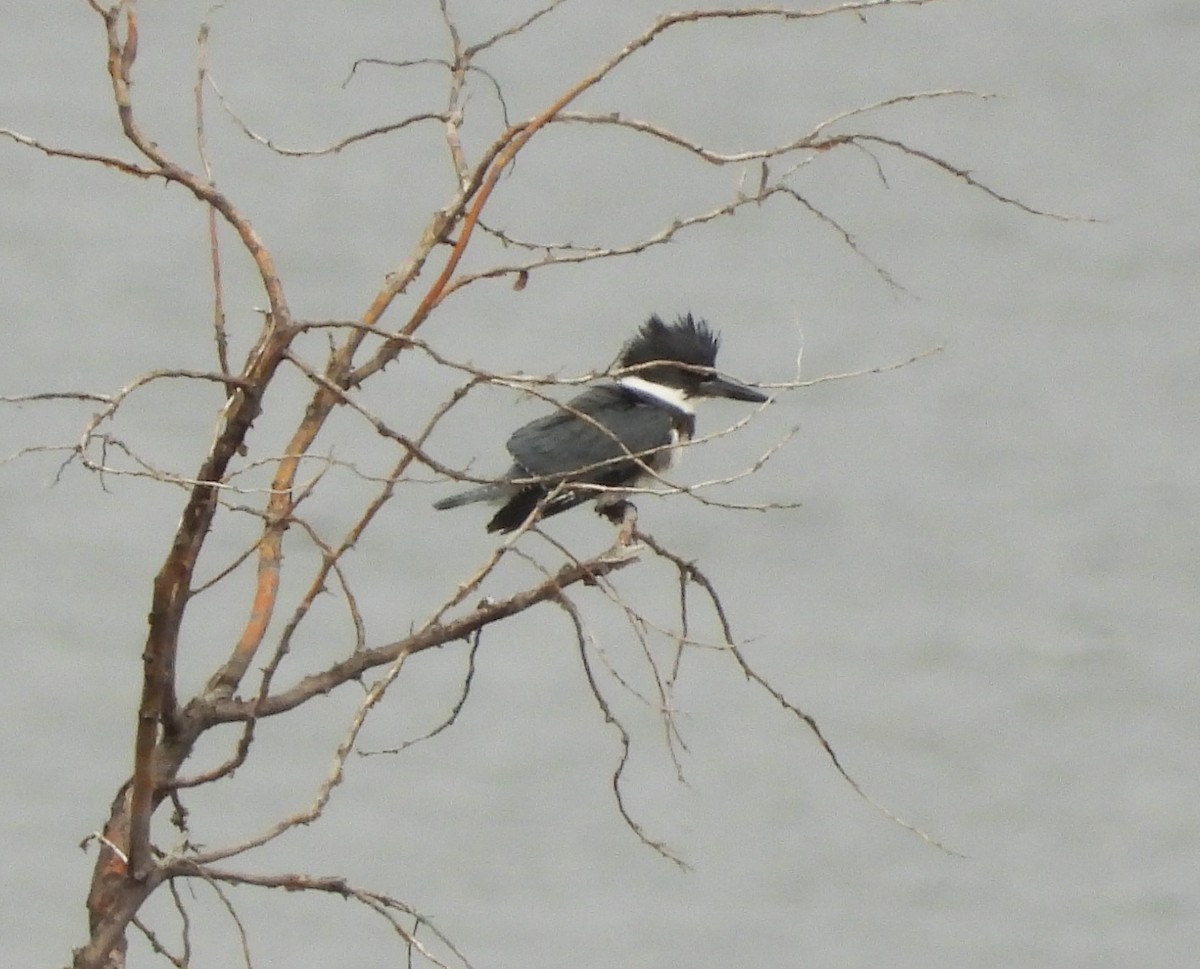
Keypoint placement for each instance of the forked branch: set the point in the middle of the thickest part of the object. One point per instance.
(129, 868)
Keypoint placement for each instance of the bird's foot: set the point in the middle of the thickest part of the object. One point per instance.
(623, 514)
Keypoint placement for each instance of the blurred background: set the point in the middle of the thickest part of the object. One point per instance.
(987, 597)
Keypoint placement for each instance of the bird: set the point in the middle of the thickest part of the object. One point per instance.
(615, 435)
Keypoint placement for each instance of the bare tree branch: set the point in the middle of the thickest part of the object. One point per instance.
(127, 168)
(222, 341)
(288, 470)
(623, 734)
(690, 573)
(455, 710)
(333, 148)
(330, 884)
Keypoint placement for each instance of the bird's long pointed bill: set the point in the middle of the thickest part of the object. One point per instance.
(722, 386)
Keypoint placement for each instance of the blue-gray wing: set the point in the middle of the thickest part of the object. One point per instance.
(563, 443)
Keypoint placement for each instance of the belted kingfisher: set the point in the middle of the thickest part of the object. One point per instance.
(607, 437)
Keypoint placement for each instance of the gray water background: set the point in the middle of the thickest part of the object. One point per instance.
(988, 597)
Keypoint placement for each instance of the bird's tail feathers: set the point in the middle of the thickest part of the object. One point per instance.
(482, 493)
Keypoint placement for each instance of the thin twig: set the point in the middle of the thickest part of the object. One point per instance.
(694, 575)
(455, 710)
(213, 236)
(581, 640)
